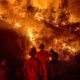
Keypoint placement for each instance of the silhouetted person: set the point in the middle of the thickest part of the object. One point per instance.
(53, 66)
(32, 67)
(42, 55)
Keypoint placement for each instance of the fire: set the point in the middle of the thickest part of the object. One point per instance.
(11, 1)
(39, 16)
(17, 25)
(71, 49)
(41, 4)
(73, 18)
(30, 35)
(32, 24)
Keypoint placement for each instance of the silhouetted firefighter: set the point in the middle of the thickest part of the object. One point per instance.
(43, 57)
(54, 66)
(32, 67)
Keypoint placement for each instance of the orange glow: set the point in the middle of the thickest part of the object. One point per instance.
(50, 58)
(73, 18)
(17, 25)
(31, 35)
(32, 23)
(42, 4)
(11, 1)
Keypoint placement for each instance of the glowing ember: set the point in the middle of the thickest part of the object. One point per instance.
(50, 58)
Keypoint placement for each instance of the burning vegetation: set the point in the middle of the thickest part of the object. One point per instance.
(42, 22)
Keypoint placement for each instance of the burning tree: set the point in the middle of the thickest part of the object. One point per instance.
(64, 14)
(39, 23)
(46, 15)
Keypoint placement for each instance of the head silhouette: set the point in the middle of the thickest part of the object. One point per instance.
(41, 46)
(53, 54)
(32, 52)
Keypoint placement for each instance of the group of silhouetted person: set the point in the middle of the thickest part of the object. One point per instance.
(39, 65)
(42, 65)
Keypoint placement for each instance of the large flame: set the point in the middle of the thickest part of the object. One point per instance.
(73, 18)
(32, 23)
